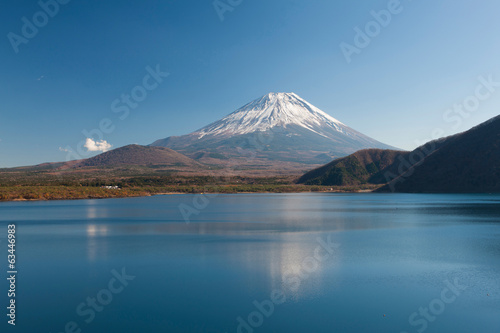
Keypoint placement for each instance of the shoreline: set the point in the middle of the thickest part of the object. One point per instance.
(58, 193)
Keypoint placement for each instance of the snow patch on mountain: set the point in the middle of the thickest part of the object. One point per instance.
(275, 110)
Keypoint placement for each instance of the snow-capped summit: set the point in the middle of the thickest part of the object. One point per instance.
(273, 110)
(295, 130)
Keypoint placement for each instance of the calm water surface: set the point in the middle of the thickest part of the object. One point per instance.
(256, 263)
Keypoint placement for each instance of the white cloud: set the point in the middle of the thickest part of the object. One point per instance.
(63, 149)
(102, 145)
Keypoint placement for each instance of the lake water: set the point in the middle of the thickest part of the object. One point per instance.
(256, 263)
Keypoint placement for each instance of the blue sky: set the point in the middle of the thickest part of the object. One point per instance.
(398, 89)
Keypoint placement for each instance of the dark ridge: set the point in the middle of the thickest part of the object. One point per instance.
(468, 162)
(364, 166)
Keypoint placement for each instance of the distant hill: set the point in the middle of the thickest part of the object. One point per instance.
(136, 155)
(468, 162)
(364, 166)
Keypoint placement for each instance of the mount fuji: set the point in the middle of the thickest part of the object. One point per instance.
(274, 127)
